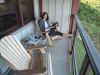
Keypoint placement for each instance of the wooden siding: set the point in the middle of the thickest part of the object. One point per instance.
(59, 10)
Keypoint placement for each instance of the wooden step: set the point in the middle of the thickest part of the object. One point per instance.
(29, 72)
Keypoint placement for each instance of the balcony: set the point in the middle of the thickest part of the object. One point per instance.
(60, 59)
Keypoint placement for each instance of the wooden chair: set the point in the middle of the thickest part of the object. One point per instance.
(16, 56)
(41, 33)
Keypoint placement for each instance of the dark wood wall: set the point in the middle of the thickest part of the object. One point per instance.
(8, 18)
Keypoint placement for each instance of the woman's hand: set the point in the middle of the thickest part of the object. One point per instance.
(50, 27)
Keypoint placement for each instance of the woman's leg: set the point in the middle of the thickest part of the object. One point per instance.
(67, 35)
(49, 40)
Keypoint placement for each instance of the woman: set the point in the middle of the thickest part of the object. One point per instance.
(44, 22)
(45, 26)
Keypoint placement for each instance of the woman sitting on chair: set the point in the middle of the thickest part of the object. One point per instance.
(46, 27)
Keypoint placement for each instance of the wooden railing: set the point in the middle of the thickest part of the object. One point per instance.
(92, 56)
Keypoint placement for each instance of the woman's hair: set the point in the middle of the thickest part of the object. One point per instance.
(45, 13)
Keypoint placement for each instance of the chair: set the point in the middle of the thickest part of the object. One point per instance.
(12, 50)
(16, 56)
(41, 33)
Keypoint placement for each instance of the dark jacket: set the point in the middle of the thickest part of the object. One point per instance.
(42, 24)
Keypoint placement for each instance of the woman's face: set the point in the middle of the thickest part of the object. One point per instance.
(45, 16)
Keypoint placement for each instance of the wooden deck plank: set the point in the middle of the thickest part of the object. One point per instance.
(59, 57)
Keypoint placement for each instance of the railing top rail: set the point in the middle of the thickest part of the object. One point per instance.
(92, 52)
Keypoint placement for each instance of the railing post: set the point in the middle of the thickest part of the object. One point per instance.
(74, 31)
(74, 59)
(84, 66)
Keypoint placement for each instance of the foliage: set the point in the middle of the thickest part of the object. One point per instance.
(92, 3)
(90, 18)
(89, 15)
(80, 54)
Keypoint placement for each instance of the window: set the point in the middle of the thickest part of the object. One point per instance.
(8, 18)
(2, 1)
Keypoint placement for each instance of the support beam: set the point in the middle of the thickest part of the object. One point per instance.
(40, 6)
(71, 24)
(19, 14)
(74, 11)
(84, 66)
(33, 8)
(75, 5)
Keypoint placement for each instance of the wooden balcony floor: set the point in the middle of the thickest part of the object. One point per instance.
(60, 57)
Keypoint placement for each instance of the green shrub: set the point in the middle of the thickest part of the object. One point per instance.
(90, 18)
